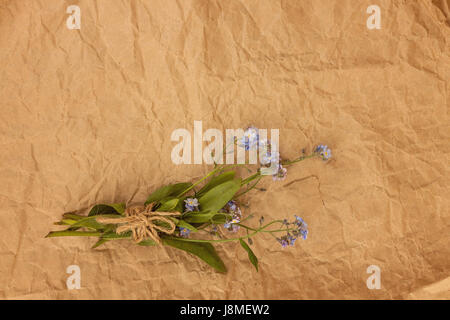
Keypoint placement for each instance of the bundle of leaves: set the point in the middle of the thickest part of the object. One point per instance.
(214, 205)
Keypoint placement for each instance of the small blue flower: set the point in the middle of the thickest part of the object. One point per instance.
(292, 235)
(291, 239)
(271, 157)
(233, 209)
(302, 227)
(323, 151)
(232, 224)
(191, 204)
(266, 154)
(184, 232)
(231, 205)
(283, 241)
(304, 234)
(234, 228)
(250, 138)
(280, 174)
(298, 220)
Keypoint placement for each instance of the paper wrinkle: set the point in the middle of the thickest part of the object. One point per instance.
(87, 117)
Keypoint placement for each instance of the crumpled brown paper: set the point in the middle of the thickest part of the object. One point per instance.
(86, 118)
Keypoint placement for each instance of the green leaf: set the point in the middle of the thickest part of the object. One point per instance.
(215, 181)
(180, 204)
(184, 224)
(70, 233)
(147, 243)
(203, 250)
(198, 217)
(119, 207)
(201, 217)
(251, 256)
(167, 191)
(115, 208)
(216, 198)
(70, 215)
(99, 243)
(221, 218)
(168, 205)
(66, 222)
(88, 222)
(113, 235)
(91, 222)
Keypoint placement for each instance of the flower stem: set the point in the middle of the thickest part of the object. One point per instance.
(232, 239)
(202, 179)
(248, 189)
(251, 178)
(268, 231)
(289, 162)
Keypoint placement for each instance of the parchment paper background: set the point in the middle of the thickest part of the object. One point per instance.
(86, 117)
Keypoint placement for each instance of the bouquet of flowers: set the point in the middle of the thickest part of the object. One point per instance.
(174, 214)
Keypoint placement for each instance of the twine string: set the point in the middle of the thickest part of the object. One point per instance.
(142, 222)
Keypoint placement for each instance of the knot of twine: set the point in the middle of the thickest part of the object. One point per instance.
(141, 220)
